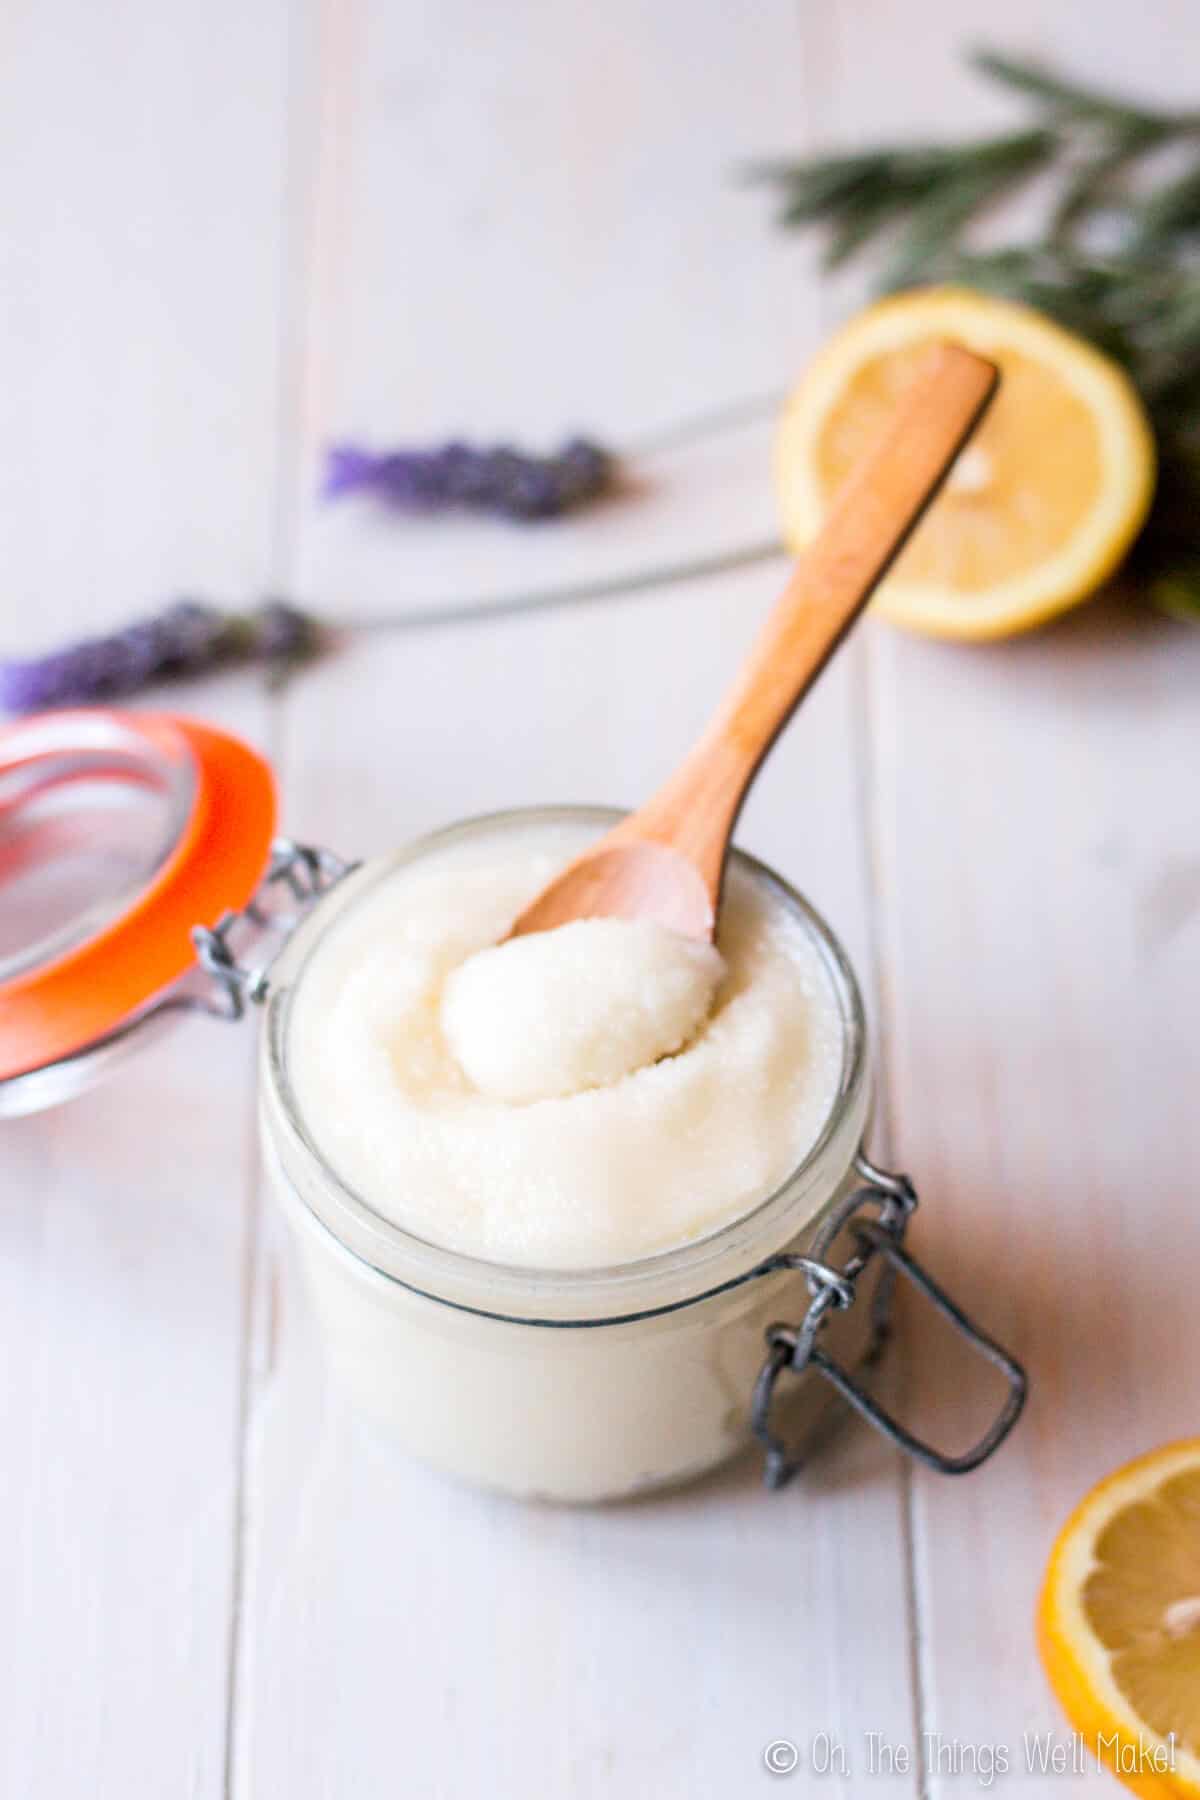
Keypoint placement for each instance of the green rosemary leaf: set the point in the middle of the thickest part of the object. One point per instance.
(1091, 187)
(859, 196)
(861, 220)
(1171, 212)
(1038, 83)
(937, 222)
(822, 180)
(1017, 153)
(830, 192)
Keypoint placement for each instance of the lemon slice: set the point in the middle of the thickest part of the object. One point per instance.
(1042, 503)
(1119, 1621)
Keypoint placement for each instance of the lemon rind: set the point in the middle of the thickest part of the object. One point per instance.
(1090, 1696)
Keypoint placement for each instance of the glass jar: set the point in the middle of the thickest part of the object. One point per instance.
(601, 1383)
(144, 884)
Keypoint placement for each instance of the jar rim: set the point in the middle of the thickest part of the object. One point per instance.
(648, 1284)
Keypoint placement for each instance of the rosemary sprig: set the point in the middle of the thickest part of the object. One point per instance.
(1118, 260)
(928, 188)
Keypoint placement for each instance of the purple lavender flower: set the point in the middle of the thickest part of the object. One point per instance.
(500, 479)
(188, 637)
(345, 470)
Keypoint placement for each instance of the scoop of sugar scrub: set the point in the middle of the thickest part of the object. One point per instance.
(561, 1011)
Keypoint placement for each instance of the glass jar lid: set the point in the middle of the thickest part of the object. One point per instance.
(119, 832)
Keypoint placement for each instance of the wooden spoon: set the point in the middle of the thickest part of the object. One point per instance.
(666, 860)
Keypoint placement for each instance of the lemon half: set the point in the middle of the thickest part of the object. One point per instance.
(1119, 1621)
(1043, 502)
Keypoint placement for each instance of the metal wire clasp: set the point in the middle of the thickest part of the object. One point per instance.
(892, 1199)
(297, 876)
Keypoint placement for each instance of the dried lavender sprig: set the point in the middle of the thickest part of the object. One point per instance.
(188, 637)
(498, 479)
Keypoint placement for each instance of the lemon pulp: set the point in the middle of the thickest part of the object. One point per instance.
(1142, 1601)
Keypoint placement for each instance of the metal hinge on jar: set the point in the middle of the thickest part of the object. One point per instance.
(298, 875)
(876, 1216)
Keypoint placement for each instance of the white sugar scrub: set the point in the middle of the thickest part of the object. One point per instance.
(556, 1012)
(608, 1093)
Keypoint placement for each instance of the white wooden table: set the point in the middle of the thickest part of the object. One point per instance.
(232, 232)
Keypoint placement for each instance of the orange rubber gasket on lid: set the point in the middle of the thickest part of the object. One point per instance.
(62, 1006)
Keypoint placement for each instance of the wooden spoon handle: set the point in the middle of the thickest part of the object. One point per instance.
(872, 518)
(870, 521)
